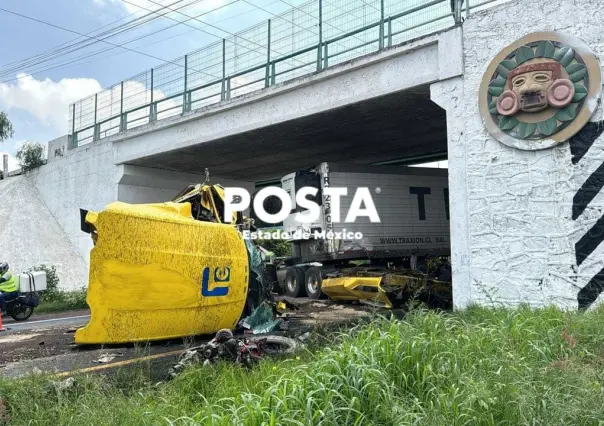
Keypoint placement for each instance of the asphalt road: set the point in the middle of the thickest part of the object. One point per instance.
(75, 319)
(45, 342)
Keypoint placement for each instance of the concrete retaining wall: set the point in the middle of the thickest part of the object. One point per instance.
(82, 178)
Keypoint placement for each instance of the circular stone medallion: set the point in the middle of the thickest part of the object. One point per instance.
(540, 90)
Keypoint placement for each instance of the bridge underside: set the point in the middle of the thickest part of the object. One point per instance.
(391, 127)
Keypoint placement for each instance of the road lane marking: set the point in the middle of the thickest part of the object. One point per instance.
(118, 364)
(51, 320)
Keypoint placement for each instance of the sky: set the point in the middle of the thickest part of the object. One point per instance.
(36, 95)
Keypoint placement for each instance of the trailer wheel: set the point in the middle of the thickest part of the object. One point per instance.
(313, 281)
(294, 282)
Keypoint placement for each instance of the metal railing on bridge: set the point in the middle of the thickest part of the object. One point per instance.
(306, 39)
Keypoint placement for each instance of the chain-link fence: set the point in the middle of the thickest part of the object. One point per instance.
(305, 39)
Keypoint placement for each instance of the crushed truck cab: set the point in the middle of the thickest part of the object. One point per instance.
(158, 273)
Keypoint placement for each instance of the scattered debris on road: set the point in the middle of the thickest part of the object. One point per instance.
(58, 353)
(268, 317)
(107, 357)
(13, 338)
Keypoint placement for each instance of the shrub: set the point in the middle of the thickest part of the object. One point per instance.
(54, 300)
(30, 156)
(52, 282)
(281, 248)
(6, 128)
(64, 301)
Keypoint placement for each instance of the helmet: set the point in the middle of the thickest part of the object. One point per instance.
(3, 268)
(223, 335)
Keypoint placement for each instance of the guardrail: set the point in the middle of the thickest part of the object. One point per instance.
(306, 39)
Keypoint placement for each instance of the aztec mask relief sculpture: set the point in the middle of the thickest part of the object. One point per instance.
(540, 91)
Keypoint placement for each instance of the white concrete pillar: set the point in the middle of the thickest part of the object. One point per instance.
(5, 165)
(447, 95)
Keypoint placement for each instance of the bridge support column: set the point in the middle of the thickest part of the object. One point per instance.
(447, 95)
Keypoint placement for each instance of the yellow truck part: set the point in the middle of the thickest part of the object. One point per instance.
(156, 273)
(356, 288)
(385, 288)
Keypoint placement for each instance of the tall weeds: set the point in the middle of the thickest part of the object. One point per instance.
(481, 366)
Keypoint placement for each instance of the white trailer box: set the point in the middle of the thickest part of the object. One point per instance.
(31, 282)
(412, 204)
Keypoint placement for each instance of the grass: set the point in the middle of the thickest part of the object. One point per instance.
(63, 302)
(480, 366)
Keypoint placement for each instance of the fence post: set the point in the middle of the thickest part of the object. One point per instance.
(273, 73)
(381, 43)
(457, 11)
(228, 88)
(152, 106)
(320, 49)
(185, 106)
(122, 118)
(74, 139)
(467, 8)
(268, 57)
(223, 88)
(326, 56)
(96, 135)
(389, 32)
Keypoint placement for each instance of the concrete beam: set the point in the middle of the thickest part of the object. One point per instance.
(395, 70)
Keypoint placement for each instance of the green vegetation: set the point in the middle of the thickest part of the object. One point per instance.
(30, 156)
(6, 127)
(52, 299)
(481, 366)
(281, 248)
(63, 302)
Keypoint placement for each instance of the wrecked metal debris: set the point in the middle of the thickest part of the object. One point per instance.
(226, 347)
(263, 319)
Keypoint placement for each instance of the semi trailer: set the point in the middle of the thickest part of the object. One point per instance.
(413, 208)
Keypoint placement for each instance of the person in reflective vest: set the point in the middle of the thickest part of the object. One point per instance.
(8, 285)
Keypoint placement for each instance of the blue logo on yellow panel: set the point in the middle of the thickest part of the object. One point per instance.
(221, 275)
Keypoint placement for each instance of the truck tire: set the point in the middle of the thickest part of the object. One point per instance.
(313, 281)
(294, 282)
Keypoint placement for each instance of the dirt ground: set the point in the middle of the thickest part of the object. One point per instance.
(51, 349)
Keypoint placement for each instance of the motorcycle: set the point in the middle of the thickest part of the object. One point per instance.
(21, 306)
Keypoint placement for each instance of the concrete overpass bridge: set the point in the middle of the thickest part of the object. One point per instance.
(329, 84)
(371, 109)
(400, 87)
(326, 77)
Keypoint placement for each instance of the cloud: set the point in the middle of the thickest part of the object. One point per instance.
(136, 94)
(136, 97)
(133, 6)
(47, 100)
